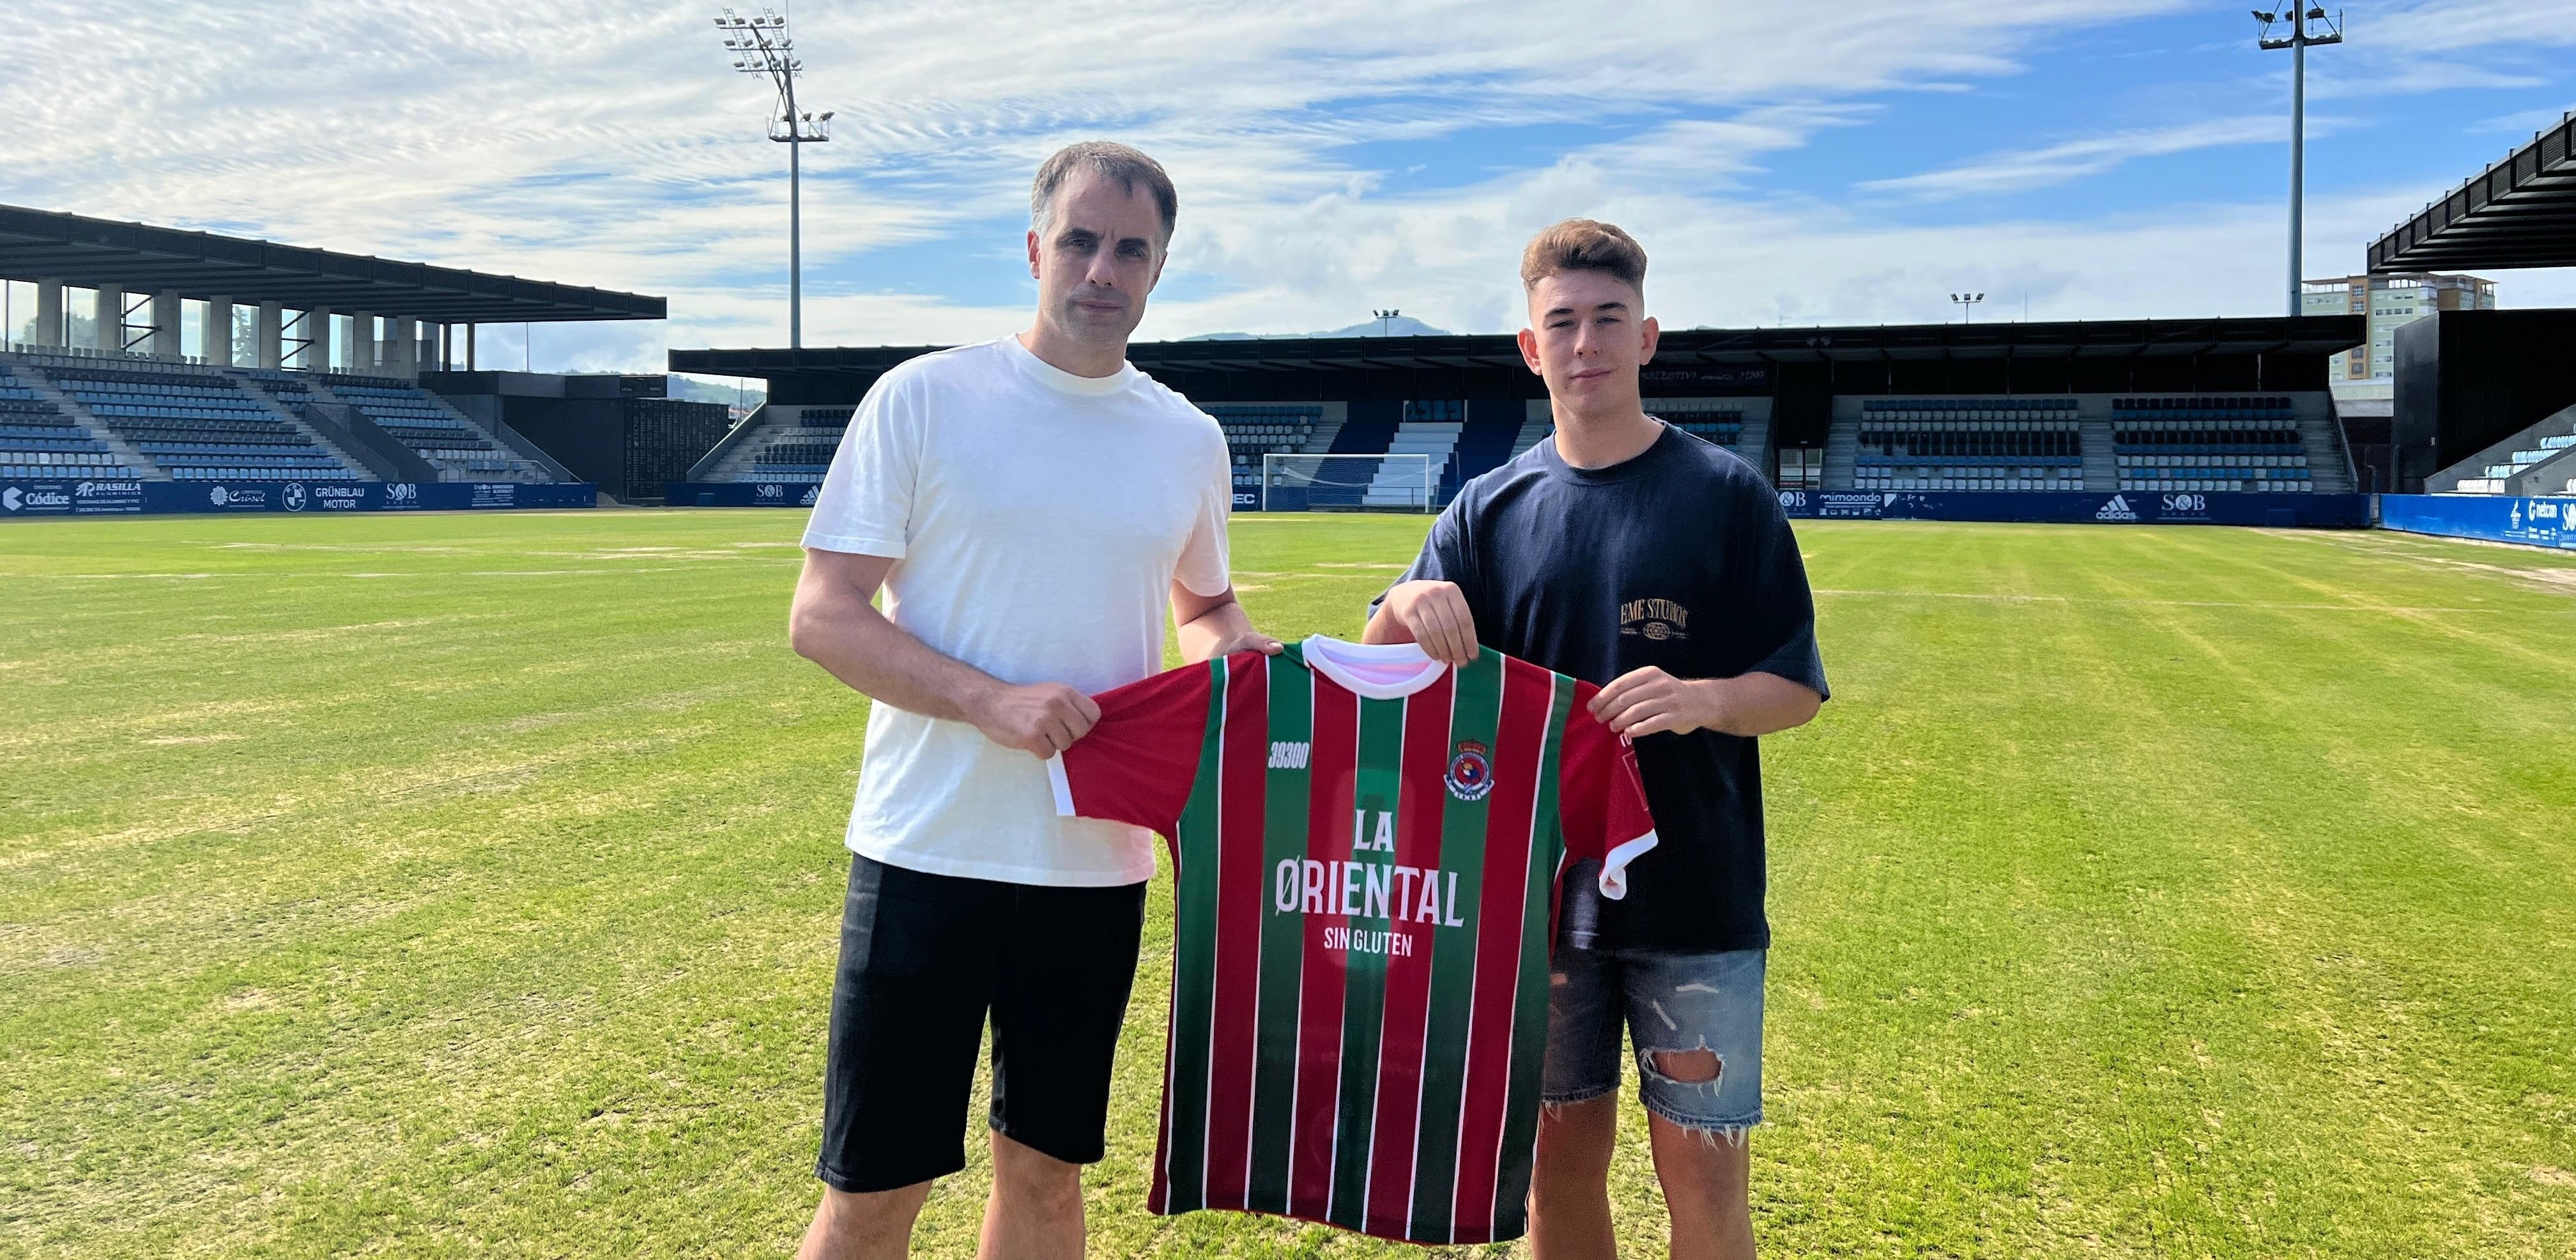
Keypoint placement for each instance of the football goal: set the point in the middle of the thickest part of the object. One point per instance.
(1348, 483)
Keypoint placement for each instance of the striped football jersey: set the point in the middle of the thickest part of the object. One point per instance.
(1365, 848)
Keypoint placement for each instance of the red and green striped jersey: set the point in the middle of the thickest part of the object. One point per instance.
(1365, 847)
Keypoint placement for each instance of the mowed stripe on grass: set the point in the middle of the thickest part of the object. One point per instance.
(468, 884)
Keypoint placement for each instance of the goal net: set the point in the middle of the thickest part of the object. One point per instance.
(1348, 483)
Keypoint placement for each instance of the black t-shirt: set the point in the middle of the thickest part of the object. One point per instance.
(1679, 558)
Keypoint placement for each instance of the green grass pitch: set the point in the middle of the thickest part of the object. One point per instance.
(467, 885)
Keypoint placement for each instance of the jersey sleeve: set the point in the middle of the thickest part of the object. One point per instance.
(1600, 800)
(1141, 758)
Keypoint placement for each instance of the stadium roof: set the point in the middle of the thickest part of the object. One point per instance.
(46, 245)
(2150, 338)
(2520, 212)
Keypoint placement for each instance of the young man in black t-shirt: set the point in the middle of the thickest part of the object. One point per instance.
(1628, 553)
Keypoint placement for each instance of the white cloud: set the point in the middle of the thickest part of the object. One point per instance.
(2072, 160)
(610, 146)
(2522, 124)
(2428, 27)
(2441, 45)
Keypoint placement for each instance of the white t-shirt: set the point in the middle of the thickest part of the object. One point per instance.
(1037, 520)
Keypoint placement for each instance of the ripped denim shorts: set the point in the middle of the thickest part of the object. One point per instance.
(1668, 1002)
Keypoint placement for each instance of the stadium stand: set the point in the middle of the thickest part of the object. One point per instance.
(1726, 422)
(189, 423)
(1430, 428)
(2176, 443)
(459, 448)
(2205, 443)
(1534, 429)
(1366, 434)
(785, 443)
(2539, 460)
(1969, 444)
(38, 440)
(2015, 407)
(1253, 430)
(1483, 444)
(1327, 431)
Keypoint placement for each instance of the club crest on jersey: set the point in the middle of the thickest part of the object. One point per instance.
(1471, 772)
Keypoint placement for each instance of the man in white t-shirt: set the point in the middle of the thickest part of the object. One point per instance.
(1030, 507)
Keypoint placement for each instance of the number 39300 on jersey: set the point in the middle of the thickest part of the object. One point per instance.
(1365, 848)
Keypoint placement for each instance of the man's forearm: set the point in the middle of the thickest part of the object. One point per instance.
(1200, 637)
(883, 661)
(1759, 704)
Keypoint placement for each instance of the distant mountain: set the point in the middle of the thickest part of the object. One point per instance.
(1400, 326)
(692, 390)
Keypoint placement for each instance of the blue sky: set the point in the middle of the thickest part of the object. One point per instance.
(1782, 164)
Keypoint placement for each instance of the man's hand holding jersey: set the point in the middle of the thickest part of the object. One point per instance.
(1649, 701)
(1431, 614)
(1041, 719)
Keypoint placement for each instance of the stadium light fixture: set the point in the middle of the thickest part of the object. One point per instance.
(1967, 303)
(2328, 31)
(762, 45)
(1385, 321)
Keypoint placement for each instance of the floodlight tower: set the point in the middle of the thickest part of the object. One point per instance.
(1385, 321)
(2328, 31)
(1967, 304)
(762, 45)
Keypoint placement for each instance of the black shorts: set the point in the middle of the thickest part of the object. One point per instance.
(924, 958)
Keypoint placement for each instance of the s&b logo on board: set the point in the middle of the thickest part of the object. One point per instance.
(1471, 771)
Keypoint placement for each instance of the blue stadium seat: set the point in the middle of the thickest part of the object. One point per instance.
(2201, 443)
(432, 431)
(1253, 430)
(194, 425)
(1969, 444)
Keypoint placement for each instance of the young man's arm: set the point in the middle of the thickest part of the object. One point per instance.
(835, 624)
(1215, 625)
(1765, 588)
(1645, 701)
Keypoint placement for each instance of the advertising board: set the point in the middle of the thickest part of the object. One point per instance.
(136, 498)
(2127, 507)
(2533, 522)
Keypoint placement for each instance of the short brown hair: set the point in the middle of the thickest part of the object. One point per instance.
(1110, 160)
(1583, 245)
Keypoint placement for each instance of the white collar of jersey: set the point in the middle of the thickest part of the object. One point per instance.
(1364, 667)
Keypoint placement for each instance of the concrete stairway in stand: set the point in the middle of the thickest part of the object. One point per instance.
(1842, 454)
(1399, 482)
(2539, 460)
(2101, 458)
